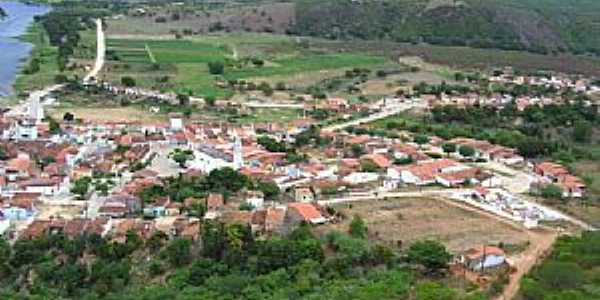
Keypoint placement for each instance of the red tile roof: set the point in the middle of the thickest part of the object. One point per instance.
(308, 211)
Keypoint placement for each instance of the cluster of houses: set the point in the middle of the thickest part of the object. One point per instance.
(42, 160)
(553, 173)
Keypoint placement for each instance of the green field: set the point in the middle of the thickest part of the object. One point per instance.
(185, 61)
(46, 54)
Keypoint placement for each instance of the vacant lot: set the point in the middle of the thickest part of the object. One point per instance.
(411, 219)
(108, 114)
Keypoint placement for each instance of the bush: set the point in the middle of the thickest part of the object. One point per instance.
(216, 67)
(561, 275)
(128, 81)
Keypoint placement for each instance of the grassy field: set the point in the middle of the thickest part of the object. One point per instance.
(473, 58)
(184, 62)
(412, 219)
(46, 54)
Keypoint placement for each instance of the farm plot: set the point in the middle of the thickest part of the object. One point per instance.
(181, 65)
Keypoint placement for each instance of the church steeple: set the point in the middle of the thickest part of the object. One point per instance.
(238, 156)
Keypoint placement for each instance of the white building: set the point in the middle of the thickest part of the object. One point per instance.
(36, 110)
(176, 121)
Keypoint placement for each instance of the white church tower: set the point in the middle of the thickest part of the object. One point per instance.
(36, 110)
(238, 155)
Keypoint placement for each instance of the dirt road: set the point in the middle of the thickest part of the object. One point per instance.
(540, 245)
(101, 51)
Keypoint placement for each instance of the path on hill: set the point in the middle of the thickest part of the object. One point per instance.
(100, 54)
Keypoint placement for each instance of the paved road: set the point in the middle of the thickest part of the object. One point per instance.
(273, 105)
(376, 196)
(23, 107)
(101, 52)
(386, 112)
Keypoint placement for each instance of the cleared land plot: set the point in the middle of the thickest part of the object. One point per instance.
(184, 62)
(197, 18)
(108, 114)
(412, 219)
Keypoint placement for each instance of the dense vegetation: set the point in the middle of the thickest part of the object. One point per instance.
(228, 264)
(565, 131)
(64, 23)
(571, 272)
(538, 26)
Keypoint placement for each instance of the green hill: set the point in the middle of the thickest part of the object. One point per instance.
(542, 26)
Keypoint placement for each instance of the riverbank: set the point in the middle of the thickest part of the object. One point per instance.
(46, 56)
(18, 45)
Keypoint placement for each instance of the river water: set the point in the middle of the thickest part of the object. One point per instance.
(12, 51)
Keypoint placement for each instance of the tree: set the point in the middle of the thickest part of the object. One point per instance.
(178, 252)
(449, 148)
(226, 180)
(357, 150)
(271, 144)
(369, 166)
(466, 151)
(551, 192)
(181, 157)
(68, 117)
(561, 275)
(269, 189)
(216, 67)
(434, 291)
(582, 131)
(358, 228)
(421, 139)
(210, 100)
(458, 76)
(128, 81)
(430, 254)
(81, 186)
(266, 89)
(203, 268)
(53, 126)
(184, 100)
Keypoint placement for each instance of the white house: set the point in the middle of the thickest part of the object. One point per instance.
(255, 199)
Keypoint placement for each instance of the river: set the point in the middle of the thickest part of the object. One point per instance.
(14, 52)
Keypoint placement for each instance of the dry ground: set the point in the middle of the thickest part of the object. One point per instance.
(412, 219)
(117, 114)
(272, 18)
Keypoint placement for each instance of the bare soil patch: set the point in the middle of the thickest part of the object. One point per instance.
(413, 219)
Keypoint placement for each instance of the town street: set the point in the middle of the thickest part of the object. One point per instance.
(386, 111)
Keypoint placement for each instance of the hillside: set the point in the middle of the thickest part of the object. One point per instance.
(542, 26)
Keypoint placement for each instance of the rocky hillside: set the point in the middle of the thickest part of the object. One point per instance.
(542, 26)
